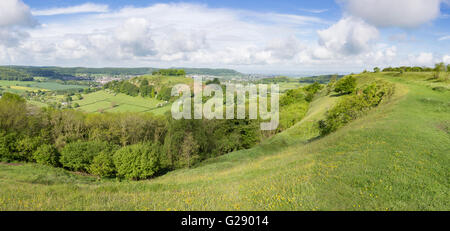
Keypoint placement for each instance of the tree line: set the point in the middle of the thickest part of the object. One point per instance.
(10, 74)
(170, 72)
(438, 67)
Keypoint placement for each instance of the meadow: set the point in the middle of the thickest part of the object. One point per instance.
(22, 86)
(111, 102)
(397, 157)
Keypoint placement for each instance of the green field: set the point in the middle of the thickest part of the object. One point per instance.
(104, 101)
(395, 158)
(22, 86)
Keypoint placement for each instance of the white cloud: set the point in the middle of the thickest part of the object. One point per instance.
(15, 13)
(446, 59)
(349, 36)
(314, 11)
(171, 35)
(14, 16)
(11, 37)
(166, 35)
(397, 13)
(423, 59)
(444, 38)
(84, 8)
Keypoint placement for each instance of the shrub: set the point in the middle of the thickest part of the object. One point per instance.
(78, 156)
(103, 165)
(292, 96)
(311, 90)
(47, 154)
(8, 150)
(351, 107)
(26, 147)
(346, 85)
(139, 161)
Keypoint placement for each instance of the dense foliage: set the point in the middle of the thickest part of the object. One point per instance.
(128, 88)
(129, 145)
(437, 67)
(87, 142)
(353, 106)
(7, 73)
(170, 72)
(346, 85)
(139, 161)
(46, 154)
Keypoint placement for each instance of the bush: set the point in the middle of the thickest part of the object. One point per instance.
(26, 147)
(346, 85)
(47, 154)
(103, 165)
(311, 91)
(8, 150)
(139, 161)
(351, 107)
(78, 156)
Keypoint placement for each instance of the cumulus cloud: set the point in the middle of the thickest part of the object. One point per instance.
(14, 16)
(172, 34)
(422, 59)
(84, 8)
(181, 34)
(349, 36)
(446, 59)
(15, 13)
(11, 37)
(398, 13)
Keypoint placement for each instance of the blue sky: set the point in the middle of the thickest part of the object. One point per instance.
(285, 37)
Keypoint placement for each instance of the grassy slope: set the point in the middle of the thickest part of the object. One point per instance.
(395, 158)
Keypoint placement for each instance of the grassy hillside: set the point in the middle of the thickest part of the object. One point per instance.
(395, 158)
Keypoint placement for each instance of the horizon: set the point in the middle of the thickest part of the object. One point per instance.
(286, 37)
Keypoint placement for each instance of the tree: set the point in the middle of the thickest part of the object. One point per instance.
(47, 154)
(346, 85)
(103, 165)
(13, 113)
(448, 68)
(189, 150)
(376, 69)
(438, 68)
(78, 156)
(139, 161)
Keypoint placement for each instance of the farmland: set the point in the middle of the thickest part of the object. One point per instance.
(22, 86)
(111, 102)
(394, 158)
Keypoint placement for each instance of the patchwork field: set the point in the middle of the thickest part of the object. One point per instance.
(112, 102)
(22, 86)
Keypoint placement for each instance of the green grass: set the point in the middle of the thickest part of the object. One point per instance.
(103, 100)
(395, 158)
(284, 86)
(34, 86)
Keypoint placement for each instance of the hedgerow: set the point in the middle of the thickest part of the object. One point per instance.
(353, 106)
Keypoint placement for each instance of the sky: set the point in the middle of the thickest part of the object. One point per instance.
(256, 36)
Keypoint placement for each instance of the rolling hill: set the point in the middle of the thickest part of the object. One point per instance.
(397, 157)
